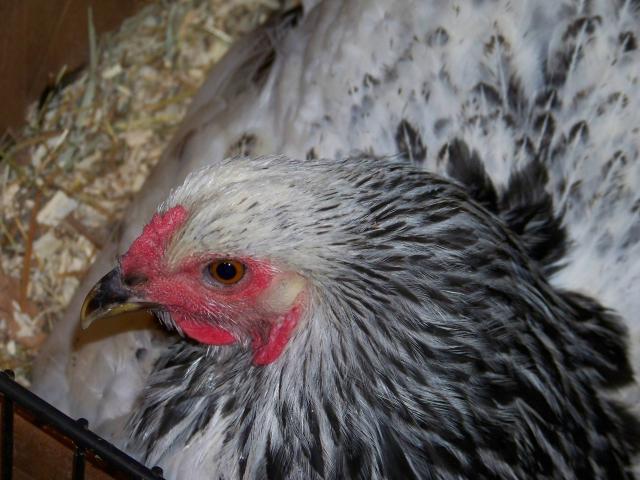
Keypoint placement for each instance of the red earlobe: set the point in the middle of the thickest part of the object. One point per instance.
(265, 353)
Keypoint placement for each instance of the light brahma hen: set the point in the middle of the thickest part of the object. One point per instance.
(408, 249)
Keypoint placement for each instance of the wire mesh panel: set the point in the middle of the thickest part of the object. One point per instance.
(75, 433)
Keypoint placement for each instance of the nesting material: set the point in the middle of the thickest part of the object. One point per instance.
(66, 179)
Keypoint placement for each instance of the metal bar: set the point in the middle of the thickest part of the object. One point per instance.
(78, 464)
(86, 439)
(157, 471)
(7, 434)
(79, 455)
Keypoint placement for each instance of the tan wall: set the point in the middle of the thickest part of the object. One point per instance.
(38, 37)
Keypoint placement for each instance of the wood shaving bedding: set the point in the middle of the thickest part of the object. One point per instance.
(66, 179)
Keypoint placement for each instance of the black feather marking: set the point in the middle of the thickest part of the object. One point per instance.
(409, 143)
(515, 95)
(438, 38)
(628, 41)
(548, 99)
(394, 460)
(604, 334)
(311, 154)
(242, 466)
(276, 462)
(524, 205)
(246, 429)
(580, 131)
(489, 93)
(527, 209)
(315, 448)
(370, 81)
(243, 146)
(141, 354)
(466, 167)
(586, 24)
(334, 423)
(354, 457)
(545, 126)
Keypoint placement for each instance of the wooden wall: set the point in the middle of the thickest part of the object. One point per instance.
(38, 37)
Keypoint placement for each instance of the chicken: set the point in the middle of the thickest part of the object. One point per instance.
(357, 316)
(365, 319)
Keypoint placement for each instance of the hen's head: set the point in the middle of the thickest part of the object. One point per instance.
(240, 252)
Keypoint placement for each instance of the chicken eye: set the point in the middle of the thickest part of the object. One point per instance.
(227, 272)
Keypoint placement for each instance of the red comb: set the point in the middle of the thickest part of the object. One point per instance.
(149, 247)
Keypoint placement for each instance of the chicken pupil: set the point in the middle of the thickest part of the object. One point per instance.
(226, 271)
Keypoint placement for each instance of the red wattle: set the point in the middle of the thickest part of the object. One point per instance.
(207, 334)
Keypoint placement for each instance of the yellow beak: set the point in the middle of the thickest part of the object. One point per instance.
(111, 297)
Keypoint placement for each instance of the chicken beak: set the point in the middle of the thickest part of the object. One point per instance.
(111, 297)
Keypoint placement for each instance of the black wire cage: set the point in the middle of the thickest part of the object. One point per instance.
(72, 435)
